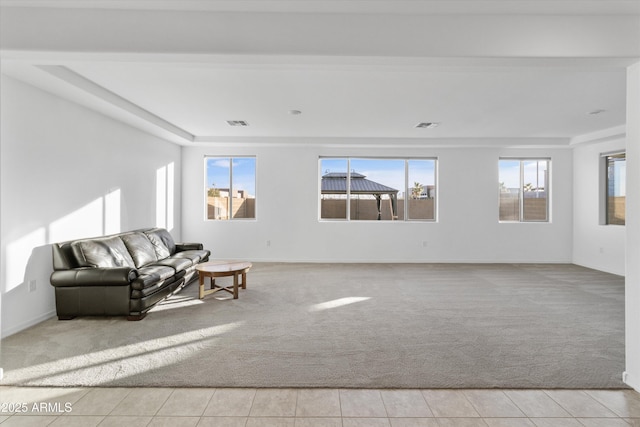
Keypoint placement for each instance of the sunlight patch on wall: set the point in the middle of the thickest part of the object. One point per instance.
(97, 218)
(165, 186)
(170, 201)
(84, 222)
(161, 197)
(17, 256)
(112, 212)
(337, 303)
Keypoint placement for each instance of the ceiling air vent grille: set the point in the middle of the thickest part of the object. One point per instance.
(427, 125)
(241, 123)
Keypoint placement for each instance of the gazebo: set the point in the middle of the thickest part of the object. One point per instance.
(336, 183)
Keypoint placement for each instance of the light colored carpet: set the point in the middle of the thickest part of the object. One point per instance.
(350, 325)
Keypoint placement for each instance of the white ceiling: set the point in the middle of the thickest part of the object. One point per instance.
(351, 6)
(368, 101)
(187, 97)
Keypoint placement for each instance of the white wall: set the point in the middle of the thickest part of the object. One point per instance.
(594, 245)
(467, 230)
(68, 172)
(632, 279)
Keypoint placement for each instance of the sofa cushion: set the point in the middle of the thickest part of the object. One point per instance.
(178, 264)
(102, 252)
(151, 275)
(140, 248)
(162, 242)
(195, 256)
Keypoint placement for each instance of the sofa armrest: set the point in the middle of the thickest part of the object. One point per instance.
(117, 276)
(188, 247)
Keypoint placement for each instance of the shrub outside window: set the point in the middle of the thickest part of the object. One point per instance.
(524, 190)
(230, 188)
(372, 189)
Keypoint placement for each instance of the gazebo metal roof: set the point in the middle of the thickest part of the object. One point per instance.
(336, 183)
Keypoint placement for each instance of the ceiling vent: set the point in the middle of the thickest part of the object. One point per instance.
(237, 123)
(427, 125)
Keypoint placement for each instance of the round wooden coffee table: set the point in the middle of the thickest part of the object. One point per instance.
(213, 269)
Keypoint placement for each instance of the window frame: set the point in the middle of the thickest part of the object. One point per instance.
(231, 187)
(604, 183)
(547, 188)
(407, 188)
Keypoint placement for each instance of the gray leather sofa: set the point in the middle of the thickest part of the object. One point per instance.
(123, 274)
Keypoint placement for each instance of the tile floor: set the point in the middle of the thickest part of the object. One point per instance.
(178, 407)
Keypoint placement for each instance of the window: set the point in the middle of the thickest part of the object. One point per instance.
(361, 189)
(230, 188)
(524, 190)
(615, 188)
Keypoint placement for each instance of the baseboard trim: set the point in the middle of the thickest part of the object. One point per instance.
(600, 268)
(394, 261)
(24, 325)
(629, 380)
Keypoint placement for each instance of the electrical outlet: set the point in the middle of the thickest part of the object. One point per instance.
(424, 244)
(32, 285)
(268, 242)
